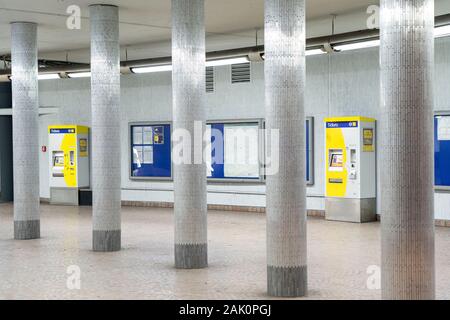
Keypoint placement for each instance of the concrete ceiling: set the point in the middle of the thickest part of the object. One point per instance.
(145, 24)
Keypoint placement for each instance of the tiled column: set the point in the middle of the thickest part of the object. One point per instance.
(25, 130)
(407, 220)
(105, 95)
(188, 82)
(286, 190)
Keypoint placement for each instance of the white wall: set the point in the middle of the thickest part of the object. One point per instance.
(346, 83)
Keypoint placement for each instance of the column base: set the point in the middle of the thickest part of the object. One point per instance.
(400, 282)
(191, 256)
(106, 241)
(287, 282)
(27, 230)
(392, 296)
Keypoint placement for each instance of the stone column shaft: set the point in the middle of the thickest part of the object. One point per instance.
(105, 95)
(24, 56)
(188, 82)
(407, 218)
(286, 190)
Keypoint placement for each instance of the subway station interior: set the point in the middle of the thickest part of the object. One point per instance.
(225, 150)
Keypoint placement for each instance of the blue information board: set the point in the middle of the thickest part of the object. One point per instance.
(151, 151)
(218, 152)
(442, 151)
(217, 163)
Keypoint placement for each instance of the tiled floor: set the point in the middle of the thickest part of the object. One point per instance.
(339, 255)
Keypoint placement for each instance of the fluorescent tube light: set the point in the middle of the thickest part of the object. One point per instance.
(48, 76)
(79, 75)
(311, 52)
(443, 31)
(314, 52)
(357, 45)
(225, 62)
(152, 69)
(213, 63)
(439, 32)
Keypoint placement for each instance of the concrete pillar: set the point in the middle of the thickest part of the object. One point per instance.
(188, 82)
(25, 130)
(407, 219)
(105, 95)
(286, 190)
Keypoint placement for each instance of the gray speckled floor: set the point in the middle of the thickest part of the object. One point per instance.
(339, 255)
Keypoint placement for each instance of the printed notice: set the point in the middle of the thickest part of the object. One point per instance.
(241, 151)
(137, 135)
(148, 135)
(443, 129)
(148, 155)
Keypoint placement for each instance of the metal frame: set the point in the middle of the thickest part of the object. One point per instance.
(261, 147)
(441, 188)
(260, 180)
(311, 180)
(148, 123)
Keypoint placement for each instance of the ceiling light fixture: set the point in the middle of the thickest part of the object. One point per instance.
(439, 32)
(48, 76)
(357, 45)
(225, 62)
(79, 74)
(314, 52)
(152, 69)
(310, 52)
(443, 31)
(212, 63)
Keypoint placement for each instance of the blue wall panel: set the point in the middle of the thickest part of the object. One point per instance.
(162, 164)
(162, 160)
(217, 161)
(441, 158)
(218, 165)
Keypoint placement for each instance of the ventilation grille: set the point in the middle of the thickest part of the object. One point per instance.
(240, 73)
(209, 79)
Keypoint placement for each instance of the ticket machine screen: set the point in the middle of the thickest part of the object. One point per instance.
(58, 164)
(336, 162)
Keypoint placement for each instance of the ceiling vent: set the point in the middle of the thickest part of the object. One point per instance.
(240, 73)
(209, 79)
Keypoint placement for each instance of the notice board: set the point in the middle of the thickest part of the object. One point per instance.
(442, 151)
(150, 151)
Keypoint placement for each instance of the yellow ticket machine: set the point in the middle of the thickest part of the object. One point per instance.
(350, 170)
(68, 162)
